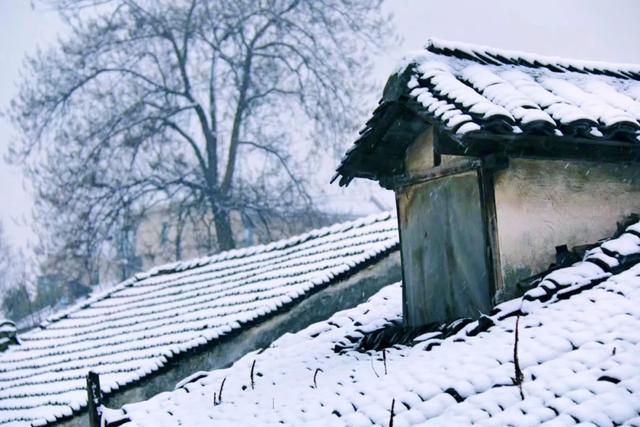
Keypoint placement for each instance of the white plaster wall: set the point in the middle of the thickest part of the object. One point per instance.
(419, 155)
(542, 204)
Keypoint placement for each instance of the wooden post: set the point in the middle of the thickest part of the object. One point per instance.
(94, 398)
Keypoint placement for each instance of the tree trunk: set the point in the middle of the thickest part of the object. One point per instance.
(178, 242)
(224, 233)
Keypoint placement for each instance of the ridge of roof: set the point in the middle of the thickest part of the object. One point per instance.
(184, 265)
(495, 56)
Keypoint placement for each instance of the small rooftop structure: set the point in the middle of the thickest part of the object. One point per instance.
(147, 333)
(497, 158)
(578, 337)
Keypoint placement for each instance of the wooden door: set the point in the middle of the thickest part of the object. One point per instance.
(444, 250)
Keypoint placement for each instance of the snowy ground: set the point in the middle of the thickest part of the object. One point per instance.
(579, 340)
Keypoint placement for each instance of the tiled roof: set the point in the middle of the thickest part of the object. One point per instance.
(515, 92)
(578, 346)
(139, 325)
(467, 90)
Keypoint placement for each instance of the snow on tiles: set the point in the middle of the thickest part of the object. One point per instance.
(137, 327)
(578, 352)
(525, 91)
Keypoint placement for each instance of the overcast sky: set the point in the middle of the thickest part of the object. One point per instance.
(605, 30)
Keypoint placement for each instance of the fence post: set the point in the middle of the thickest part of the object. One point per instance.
(94, 398)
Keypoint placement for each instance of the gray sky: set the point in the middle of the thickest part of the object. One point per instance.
(605, 30)
(21, 31)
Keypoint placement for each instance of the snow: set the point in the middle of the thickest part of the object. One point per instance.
(503, 93)
(578, 353)
(445, 84)
(590, 103)
(465, 90)
(468, 127)
(627, 244)
(558, 62)
(136, 327)
(555, 94)
(614, 97)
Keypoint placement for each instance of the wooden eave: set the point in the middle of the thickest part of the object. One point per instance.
(553, 147)
(381, 155)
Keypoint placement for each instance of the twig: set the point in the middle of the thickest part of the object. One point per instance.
(253, 366)
(384, 359)
(217, 398)
(393, 404)
(315, 374)
(519, 376)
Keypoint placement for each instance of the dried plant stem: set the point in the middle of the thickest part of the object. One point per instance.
(253, 366)
(315, 374)
(519, 376)
(384, 359)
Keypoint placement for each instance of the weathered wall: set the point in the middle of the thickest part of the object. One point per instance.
(419, 155)
(542, 204)
(444, 251)
(319, 306)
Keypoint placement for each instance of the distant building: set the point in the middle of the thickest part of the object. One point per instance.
(161, 238)
(157, 238)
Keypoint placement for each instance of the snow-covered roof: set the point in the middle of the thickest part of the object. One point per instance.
(141, 324)
(578, 345)
(466, 90)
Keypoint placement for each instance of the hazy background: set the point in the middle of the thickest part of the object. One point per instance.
(597, 30)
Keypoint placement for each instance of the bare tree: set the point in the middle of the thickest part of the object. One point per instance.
(16, 302)
(205, 107)
(5, 261)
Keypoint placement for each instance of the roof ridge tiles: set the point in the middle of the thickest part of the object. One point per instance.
(479, 53)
